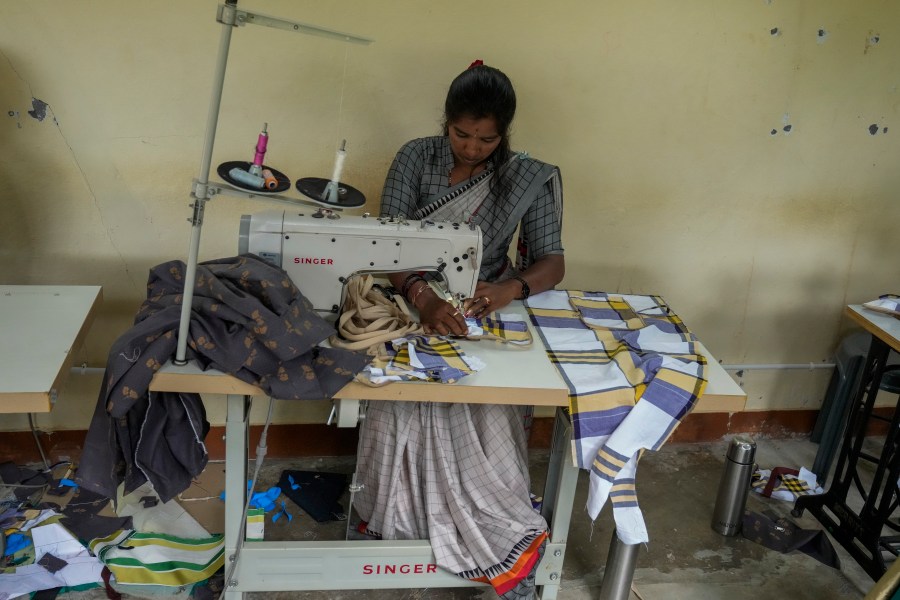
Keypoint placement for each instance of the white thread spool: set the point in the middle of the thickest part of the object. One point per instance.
(331, 194)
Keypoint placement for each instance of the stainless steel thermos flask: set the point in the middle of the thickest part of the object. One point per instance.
(734, 485)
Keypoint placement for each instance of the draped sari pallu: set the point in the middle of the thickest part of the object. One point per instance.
(472, 200)
(633, 371)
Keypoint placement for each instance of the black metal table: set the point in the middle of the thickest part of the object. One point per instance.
(862, 533)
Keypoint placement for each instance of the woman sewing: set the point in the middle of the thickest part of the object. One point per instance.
(457, 474)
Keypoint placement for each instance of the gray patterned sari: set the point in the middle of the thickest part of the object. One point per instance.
(457, 474)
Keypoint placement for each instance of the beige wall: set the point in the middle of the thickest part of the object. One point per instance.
(659, 114)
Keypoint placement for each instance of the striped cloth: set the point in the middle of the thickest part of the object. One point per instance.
(888, 304)
(633, 371)
(789, 486)
(156, 559)
(508, 328)
(421, 358)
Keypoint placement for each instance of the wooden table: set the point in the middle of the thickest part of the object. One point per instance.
(40, 326)
(513, 376)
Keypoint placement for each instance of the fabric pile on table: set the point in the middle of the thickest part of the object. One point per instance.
(248, 320)
(421, 358)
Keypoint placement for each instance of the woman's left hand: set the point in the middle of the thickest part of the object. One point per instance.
(490, 297)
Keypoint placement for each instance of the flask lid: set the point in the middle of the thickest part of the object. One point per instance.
(742, 449)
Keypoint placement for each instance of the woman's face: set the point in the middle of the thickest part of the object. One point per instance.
(472, 140)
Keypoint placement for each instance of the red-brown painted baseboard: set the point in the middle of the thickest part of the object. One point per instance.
(287, 441)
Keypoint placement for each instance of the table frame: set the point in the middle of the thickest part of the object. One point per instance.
(861, 534)
(332, 565)
(40, 326)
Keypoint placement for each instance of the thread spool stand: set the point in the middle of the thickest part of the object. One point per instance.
(230, 17)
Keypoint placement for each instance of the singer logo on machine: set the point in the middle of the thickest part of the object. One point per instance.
(311, 260)
(402, 569)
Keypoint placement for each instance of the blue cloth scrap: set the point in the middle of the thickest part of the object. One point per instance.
(16, 542)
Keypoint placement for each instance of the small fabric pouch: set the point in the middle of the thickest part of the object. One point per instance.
(606, 313)
(888, 304)
(783, 535)
(505, 328)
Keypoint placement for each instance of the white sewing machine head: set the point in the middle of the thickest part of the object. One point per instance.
(321, 250)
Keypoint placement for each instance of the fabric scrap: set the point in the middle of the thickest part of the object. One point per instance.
(422, 358)
(139, 558)
(318, 493)
(788, 487)
(52, 563)
(783, 535)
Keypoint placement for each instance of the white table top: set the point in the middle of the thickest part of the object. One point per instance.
(40, 325)
(513, 376)
(883, 326)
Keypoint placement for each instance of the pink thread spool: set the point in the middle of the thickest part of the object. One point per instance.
(261, 143)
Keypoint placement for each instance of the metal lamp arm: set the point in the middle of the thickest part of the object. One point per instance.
(229, 16)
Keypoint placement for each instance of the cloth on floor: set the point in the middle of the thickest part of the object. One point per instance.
(783, 535)
(51, 538)
(90, 526)
(249, 320)
(52, 563)
(30, 479)
(421, 358)
(155, 559)
(633, 371)
(162, 517)
(317, 493)
(84, 503)
(457, 475)
(788, 486)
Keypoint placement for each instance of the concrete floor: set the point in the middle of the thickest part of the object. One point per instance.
(685, 558)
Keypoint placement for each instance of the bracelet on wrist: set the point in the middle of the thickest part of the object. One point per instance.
(418, 293)
(526, 291)
(410, 280)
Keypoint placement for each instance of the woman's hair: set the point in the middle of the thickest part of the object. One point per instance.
(480, 92)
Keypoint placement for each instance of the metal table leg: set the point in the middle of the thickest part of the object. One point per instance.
(861, 534)
(237, 428)
(559, 496)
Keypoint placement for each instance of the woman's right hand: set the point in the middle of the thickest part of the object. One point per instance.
(439, 316)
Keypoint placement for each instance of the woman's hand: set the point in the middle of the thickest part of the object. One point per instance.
(490, 297)
(439, 316)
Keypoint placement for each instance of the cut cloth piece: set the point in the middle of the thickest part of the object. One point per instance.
(633, 371)
(789, 484)
(421, 358)
(501, 327)
(888, 304)
(149, 560)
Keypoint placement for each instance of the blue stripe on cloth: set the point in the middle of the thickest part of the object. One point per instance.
(596, 423)
(557, 322)
(671, 399)
(601, 474)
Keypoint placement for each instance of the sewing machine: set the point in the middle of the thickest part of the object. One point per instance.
(321, 249)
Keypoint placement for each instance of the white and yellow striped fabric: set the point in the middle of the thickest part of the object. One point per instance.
(633, 371)
(155, 559)
(421, 358)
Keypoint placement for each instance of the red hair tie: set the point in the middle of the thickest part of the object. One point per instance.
(476, 63)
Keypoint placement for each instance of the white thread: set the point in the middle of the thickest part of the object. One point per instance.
(134, 355)
(343, 85)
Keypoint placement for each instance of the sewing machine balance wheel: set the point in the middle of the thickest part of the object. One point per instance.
(224, 171)
(314, 188)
